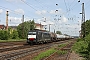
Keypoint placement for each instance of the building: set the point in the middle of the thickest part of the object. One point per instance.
(2, 27)
(39, 26)
(13, 27)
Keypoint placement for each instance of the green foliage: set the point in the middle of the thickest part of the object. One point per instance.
(82, 46)
(61, 45)
(32, 25)
(86, 27)
(44, 54)
(14, 34)
(58, 32)
(23, 28)
(87, 40)
(61, 52)
(79, 39)
(10, 34)
(13, 40)
(3, 35)
(10, 31)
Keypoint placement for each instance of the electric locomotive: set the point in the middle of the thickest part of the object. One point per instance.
(38, 36)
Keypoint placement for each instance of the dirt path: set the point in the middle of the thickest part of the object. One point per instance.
(74, 56)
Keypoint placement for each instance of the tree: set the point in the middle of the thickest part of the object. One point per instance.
(32, 25)
(10, 31)
(14, 34)
(23, 28)
(58, 32)
(86, 27)
(3, 35)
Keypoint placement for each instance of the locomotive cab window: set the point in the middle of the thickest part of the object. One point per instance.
(46, 34)
(32, 33)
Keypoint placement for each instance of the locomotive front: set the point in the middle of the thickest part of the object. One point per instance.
(31, 37)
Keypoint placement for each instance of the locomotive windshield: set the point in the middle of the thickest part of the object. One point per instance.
(31, 33)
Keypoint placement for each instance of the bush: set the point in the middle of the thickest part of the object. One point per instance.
(3, 35)
(82, 46)
(10, 34)
(87, 40)
(14, 34)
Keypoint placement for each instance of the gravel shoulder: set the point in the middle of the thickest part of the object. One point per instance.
(75, 56)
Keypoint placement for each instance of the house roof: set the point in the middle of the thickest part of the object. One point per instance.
(13, 27)
(1, 26)
(37, 24)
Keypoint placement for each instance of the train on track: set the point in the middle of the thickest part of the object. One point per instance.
(42, 36)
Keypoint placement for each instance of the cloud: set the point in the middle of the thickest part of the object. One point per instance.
(42, 21)
(38, 12)
(52, 12)
(27, 19)
(74, 26)
(64, 19)
(1, 11)
(58, 11)
(19, 11)
(14, 21)
(15, 1)
(41, 12)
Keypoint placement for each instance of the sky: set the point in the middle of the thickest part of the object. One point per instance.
(61, 15)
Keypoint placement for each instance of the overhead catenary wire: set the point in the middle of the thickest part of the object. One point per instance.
(66, 5)
(67, 11)
(65, 2)
(72, 3)
(18, 7)
(9, 10)
(42, 4)
(30, 6)
(35, 8)
(87, 4)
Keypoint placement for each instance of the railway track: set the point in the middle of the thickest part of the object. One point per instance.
(10, 48)
(30, 57)
(17, 47)
(5, 44)
(64, 57)
(21, 51)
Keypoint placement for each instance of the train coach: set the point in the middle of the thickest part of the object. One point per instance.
(63, 37)
(53, 36)
(60, 37)
(38, 36)
(41, 36)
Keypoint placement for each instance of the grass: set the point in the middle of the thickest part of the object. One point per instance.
(61, 45)
(12, 40)
(44, 54)
(61, 52)
(49, 52)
